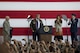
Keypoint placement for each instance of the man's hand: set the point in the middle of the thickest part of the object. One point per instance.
(29, 16)
(32, 30)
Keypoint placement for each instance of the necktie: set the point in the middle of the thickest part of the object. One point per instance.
(36, 24)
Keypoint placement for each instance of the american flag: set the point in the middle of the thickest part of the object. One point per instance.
(18, 10)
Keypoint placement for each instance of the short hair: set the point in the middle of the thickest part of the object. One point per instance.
(52, 43)
(37, 14)
(73, 14)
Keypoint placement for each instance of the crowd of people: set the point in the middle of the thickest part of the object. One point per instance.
(43, 47)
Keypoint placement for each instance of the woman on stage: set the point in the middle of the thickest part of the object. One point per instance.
(58, 28)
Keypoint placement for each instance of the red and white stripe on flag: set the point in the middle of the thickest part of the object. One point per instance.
(41, 0)
(48, 9)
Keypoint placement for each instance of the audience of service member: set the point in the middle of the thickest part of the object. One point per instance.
(40, 47)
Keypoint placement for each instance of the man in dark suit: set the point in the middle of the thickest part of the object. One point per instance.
(35, 25)
(73, 28)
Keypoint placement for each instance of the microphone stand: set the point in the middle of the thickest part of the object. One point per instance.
(45, 22)
(28, 19)
(67, 31)
(28, 30)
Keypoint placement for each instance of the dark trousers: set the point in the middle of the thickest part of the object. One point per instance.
(58, 37)
(73, 36)
(36, 33)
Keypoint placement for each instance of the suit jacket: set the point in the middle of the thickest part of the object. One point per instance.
(33, 24)
(6, 30)
(73, 27)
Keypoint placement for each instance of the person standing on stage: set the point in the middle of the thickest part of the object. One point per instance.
(58, 28)
(73, 29)
(35, 25)
(6, 29)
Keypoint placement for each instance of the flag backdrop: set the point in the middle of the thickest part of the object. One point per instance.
(48, 9)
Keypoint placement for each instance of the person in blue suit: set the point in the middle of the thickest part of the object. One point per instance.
(73, 29)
